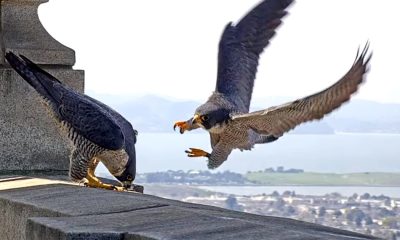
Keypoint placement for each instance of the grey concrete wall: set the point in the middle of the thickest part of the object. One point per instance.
(29, 138)
(22, 31)
(13, 218)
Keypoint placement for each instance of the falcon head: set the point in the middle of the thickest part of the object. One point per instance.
(129, 173)
(209, 116)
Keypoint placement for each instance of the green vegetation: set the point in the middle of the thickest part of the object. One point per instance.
(324, 179)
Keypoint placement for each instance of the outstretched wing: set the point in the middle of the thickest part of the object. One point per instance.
(86, 117)
(240, 47)
(280, 119)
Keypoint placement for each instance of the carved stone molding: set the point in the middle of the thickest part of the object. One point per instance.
(22, 32)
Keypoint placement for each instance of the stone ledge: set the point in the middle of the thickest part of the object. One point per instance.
(48, 209)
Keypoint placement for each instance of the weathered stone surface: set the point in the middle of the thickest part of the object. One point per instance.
(67, 211)
(30, 139)
(172, 222)
(22, 32)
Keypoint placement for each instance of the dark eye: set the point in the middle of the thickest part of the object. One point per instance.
(205, 118)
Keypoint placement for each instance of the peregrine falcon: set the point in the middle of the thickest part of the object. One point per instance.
(97, 132)
(226, 115)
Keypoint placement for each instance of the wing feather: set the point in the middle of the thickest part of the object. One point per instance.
(240, 47)
(90, 120)
(280, 119)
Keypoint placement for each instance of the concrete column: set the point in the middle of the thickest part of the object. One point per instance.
(29, 137)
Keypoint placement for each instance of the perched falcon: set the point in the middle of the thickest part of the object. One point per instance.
(97, 132)
(226, 115)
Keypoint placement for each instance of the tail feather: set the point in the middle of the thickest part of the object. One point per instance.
(20, 67)
(40, 80)
(38, 71)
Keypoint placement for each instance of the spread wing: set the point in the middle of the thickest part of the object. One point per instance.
(240, 47)
(86, 117)
(280, 119)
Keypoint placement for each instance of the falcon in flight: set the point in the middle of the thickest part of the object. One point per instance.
(226, 115)
(97, 132)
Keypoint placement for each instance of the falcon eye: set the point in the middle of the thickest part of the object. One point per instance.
(129, 178)
(204, 118)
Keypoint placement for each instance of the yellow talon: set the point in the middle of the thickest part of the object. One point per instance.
(195, 152)
(94, 182)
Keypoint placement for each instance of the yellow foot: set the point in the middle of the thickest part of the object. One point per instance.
(94, 182)
(99, 184)
(183, 126)
(195, 152)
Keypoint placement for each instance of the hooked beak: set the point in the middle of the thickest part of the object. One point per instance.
(197, 120)
(188, 125)
(127, 184)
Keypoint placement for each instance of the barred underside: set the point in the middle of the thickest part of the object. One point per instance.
(84, 151)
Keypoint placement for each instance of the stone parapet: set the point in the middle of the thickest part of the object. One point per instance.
(48, 209)
(22, 32)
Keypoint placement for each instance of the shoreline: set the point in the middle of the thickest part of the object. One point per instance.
(263, 185)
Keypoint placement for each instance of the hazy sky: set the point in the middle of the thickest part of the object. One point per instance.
(170, 47)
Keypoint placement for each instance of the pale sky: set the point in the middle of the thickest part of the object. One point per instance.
(169, 47)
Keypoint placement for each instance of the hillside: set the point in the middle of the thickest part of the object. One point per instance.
(157, 114)
(291, 177)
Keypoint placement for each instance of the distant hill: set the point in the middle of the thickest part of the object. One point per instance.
(367, 116)
(290, 177)
(157, 114)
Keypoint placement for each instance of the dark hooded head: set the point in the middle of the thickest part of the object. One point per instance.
(209, 115)
(128, 175)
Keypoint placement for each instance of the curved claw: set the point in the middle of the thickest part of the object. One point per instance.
(94, 182)
(183, 126)
(195, 152)
(119, 189)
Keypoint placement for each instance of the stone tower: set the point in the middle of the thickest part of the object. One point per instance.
(29, 138)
